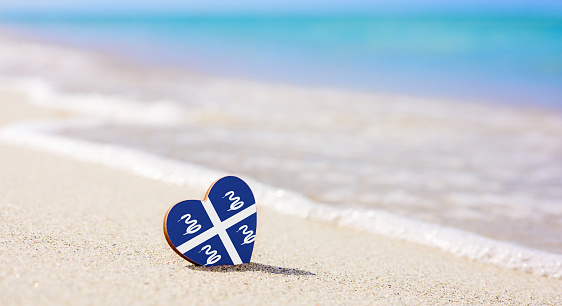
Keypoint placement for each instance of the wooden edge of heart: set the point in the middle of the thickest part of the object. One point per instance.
(166, 230)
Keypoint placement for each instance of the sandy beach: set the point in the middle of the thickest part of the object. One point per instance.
(79, 233)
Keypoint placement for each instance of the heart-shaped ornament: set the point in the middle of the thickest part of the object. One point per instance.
(220, 230)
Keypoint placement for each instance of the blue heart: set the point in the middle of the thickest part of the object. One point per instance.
(217, 231)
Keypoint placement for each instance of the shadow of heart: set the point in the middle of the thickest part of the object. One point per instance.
(252, 266)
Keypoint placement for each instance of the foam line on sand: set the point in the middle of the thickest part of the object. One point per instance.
(461, 243)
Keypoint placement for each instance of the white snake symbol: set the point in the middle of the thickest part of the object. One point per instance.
(192, 226)
(213, 255)
(250, 237)
(236, 204)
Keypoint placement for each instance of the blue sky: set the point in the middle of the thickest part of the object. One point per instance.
(275, 5)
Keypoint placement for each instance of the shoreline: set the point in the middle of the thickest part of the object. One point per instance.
(77, 232)
(102, 106)
(42, 136)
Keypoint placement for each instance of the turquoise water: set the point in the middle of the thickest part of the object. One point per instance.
(496, 57)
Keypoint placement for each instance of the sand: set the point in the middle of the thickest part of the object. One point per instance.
(79, 233)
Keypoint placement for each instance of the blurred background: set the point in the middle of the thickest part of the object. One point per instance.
(497, 51)
(441, 111)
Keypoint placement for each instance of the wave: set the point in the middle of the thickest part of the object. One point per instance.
(42, 135)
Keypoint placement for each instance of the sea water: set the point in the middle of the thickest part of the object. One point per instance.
(497, 57)
(491, 167)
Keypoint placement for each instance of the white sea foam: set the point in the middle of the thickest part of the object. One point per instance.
(39, 135)
(433, 160)
(95, 105)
